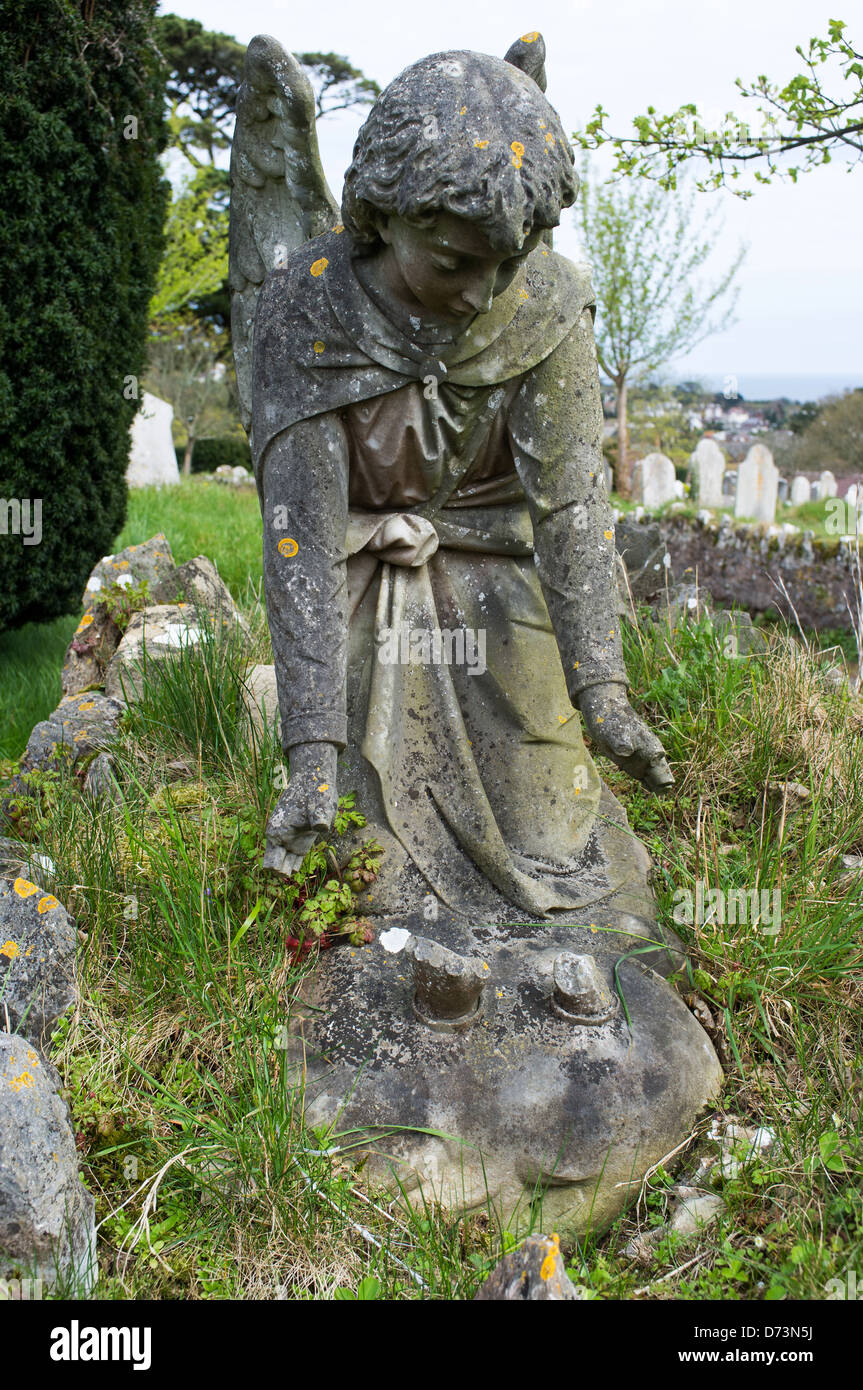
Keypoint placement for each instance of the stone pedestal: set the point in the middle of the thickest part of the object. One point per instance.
(558, 1072)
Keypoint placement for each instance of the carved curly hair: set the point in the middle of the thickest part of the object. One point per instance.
(464, 133)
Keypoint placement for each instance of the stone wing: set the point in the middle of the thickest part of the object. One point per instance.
(279, 195)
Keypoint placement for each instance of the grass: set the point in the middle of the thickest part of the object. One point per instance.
(199, 518)
(191, 1135)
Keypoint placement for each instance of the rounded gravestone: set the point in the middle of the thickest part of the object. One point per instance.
(708, 469)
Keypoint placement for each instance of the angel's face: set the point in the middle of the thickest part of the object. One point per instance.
(447, 272)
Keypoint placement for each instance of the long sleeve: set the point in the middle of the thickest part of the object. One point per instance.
(555, 427)
(304, 500)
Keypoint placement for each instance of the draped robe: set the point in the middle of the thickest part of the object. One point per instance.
(409, 488)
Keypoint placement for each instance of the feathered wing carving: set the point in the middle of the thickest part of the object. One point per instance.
(528, 53)
(279, 195)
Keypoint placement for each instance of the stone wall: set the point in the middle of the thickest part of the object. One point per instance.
(742, 565)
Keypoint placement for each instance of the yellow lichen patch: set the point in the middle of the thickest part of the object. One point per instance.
(542, 125)
(88, 704)
(85, 622)
(82, 733)
(480, 144)
(318, 267)
(531, 37)
(324, 787)
(318, 346)
(339, 227)
(523, 294)
(609, 535)
(562, 718)
(575, 666)
(10, 949)
(463, 111)
(18, 1083)
(24, 888)
(517, 153)
(287, 546)
(32, 1057)
(122, 565)
(45, 904)
(549, 1264)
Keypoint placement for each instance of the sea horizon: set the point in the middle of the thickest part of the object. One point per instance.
(768, 386)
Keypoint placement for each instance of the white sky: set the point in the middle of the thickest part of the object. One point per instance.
(801, 301)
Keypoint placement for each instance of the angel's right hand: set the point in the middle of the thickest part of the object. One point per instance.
(306, 810)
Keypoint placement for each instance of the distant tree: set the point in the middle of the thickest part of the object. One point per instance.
(337, 84)
(803, 417)
(645, 252)
(659, 423)
(801, 125)
(185, 368)
(834, 439)
(195, 263)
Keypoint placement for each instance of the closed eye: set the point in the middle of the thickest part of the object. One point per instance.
(446, 262)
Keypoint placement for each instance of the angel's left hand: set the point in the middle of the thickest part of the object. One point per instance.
(618, 732)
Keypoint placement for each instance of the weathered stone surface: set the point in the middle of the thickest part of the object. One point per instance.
(642, 549)
(149, 562)
(741, 566)
(47, 1228)
(757, 479)
(12, 854)
(799, 490)
(199, 583)
(533, 1273)
(262, 698)
(532, 1097)
(653, 481)
(152, 457)
(80, 725)
(695, 1210)
(95, 640)
(97, 636)
(157, 634)
(37, 959)
(708, 470)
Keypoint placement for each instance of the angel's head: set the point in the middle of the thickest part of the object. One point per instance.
(459, 168)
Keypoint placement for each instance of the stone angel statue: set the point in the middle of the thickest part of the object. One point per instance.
(419, 376)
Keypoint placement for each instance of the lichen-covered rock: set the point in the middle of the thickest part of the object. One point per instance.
(147, 563)
(642, 550)
(93, 644)
(533, 1273)
(47, 1228)
(157, 634)
(80, 726)
(198, 582)
(97, 636)
(37, 959)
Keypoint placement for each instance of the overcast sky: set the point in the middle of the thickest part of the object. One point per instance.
(801, 302)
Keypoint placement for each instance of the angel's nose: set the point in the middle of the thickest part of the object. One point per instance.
(480, 294)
